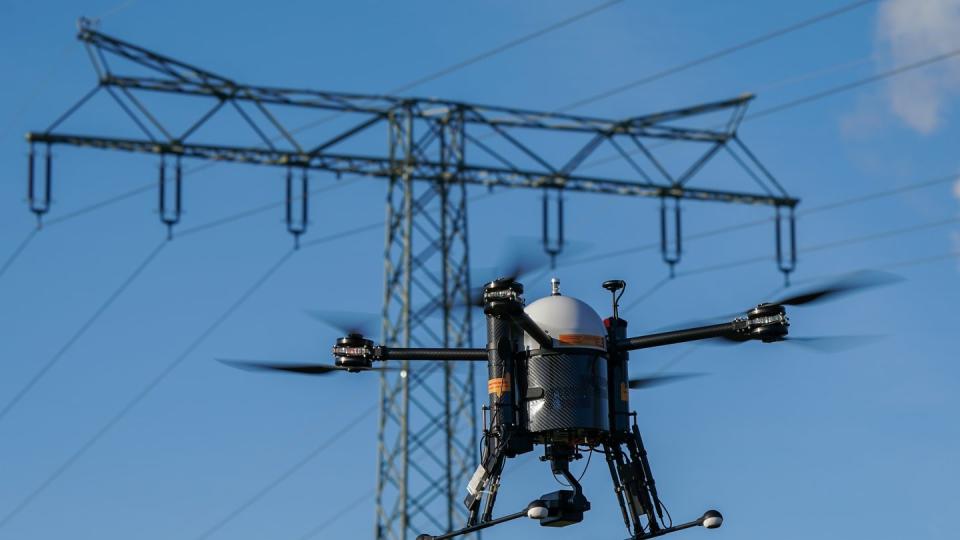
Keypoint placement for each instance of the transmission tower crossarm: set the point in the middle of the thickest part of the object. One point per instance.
(175, 76)
(425, 170)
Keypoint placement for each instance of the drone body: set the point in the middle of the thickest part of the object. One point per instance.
(558, 379)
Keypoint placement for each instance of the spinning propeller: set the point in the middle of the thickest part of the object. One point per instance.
(519, 257)
(657, 380)
(846, 285)
(301, 368)
(349, 323)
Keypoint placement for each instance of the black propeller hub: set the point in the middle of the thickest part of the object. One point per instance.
(768, 322)
(502, 296)
(354, 352)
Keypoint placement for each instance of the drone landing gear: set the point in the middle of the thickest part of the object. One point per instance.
(636, 491)
(633, 484)
(555, 509)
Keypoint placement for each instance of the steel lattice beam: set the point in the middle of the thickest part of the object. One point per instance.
(427, 426)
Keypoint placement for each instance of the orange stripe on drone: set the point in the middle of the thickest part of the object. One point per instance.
(499, 386)
(582, 339)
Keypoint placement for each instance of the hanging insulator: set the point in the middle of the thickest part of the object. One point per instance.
(553, 245)
(38, 196)
(670, 252)
(171, 204)
(297, 218)
(786, 262)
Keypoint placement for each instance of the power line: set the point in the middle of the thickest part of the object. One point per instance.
(880, 194)
(654, 288)
(250, 212)
(916, 261)
(716, 55)
(176, 362)
(443, 72)
(100, 204)
(353, 505)
(754, 223)
(505, 47)
(48, 78)
(854, 84)
(882, 235)
(140, 396)
(829, 245)
(807, 99)
(124, 285)
(21, 247)
(287, 473)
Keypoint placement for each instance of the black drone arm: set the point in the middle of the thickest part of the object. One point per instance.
(766, 322)
(729, 329)
(402, 353)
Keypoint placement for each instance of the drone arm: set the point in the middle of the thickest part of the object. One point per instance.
(766, 322)
(729, 329)
(532, 329)
(403, 353)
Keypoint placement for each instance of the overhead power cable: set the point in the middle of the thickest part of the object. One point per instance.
(646, 294)
(443, 72)
(125, 284)
(717, 54)
(764, 221)
(346, 509)
(21, 247)
(53, 67)
(179, 359)
(899, 70)
(913, 261)
(809, 98)
(288, 472)
(830, 245)
(97, 313)
(504, 47)
(143, 393)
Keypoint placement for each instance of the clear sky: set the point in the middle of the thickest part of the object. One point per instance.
(787, 443)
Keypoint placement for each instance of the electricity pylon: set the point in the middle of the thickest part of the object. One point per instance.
(436, 150)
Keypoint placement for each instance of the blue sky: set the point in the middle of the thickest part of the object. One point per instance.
(782, 440)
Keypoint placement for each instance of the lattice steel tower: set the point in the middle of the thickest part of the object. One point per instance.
(437, 149)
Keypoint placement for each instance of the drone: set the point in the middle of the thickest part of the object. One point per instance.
(558, 378)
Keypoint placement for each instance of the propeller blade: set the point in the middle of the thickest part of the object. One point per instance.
(300, 368)
(365, 324)
(852, 283)
(820, 344)
(518, 257)
(305, 368)
(832, 344)
(657, 380)
(849, 284)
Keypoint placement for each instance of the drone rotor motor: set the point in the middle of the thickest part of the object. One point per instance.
(768, 322)
(354, 352)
